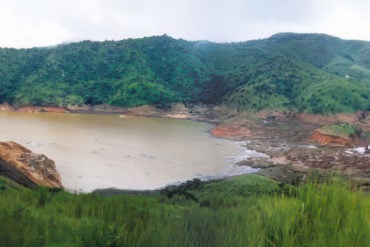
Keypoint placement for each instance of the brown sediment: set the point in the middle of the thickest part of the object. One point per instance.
(31, 109)
(54, 109)
(6, 107)
(180, 111)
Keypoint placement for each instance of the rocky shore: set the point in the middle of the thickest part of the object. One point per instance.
(296, 146)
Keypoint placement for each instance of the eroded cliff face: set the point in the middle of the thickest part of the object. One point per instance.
(325, 139)
(231, 131)
(27, 168)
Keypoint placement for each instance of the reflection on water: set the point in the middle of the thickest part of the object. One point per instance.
(94, 151)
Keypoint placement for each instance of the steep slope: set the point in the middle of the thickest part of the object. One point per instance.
(27, 168)
(308, 72)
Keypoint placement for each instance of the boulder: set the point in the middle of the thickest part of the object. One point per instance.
(27, 168)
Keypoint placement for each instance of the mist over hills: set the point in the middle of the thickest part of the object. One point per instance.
(308, 72)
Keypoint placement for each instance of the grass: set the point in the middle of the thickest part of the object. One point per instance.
(342, 130)
(246, 210)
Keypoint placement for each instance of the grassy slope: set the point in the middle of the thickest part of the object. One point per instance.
(301, 71)
(341, 130)
(287, 71)
(241, 211)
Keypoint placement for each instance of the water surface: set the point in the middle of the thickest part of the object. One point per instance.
(95, 151)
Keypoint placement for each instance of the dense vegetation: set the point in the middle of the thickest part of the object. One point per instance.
(309, 72)
(242, 211)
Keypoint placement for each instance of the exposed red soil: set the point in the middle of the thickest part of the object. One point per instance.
(232, 132)
(325, 139)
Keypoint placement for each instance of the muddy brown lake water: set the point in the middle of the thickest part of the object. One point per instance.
(104, 151)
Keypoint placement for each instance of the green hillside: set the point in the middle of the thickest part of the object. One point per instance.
(307, 72)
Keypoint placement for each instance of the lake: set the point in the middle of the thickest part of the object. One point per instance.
(105, 151)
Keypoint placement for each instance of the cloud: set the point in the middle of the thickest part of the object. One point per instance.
(26, 23)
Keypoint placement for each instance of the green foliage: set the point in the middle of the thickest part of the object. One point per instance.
(342, 130)
(335, 96)
(242, 211)
(148, 93)
(310, 72)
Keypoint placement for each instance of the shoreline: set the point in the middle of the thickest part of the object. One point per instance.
(152, 123)
(278, 134)
(202, 113)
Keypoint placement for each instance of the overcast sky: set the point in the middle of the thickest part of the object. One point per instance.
(28, 23)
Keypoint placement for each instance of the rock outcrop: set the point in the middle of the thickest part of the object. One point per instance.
(231, 131)
(326, 139)
(27, 168)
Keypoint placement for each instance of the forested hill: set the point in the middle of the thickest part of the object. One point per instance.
(309, 72)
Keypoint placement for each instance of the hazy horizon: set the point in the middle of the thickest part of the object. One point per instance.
(177, 38)
(42, 23)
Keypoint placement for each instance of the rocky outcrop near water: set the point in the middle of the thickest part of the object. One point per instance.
(326, 139)
(27, 168)
(231, 131)
(342, 134)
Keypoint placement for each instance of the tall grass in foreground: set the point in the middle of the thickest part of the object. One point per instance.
(242, 211)
(325, 214)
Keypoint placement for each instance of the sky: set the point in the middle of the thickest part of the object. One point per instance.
(26, 23)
